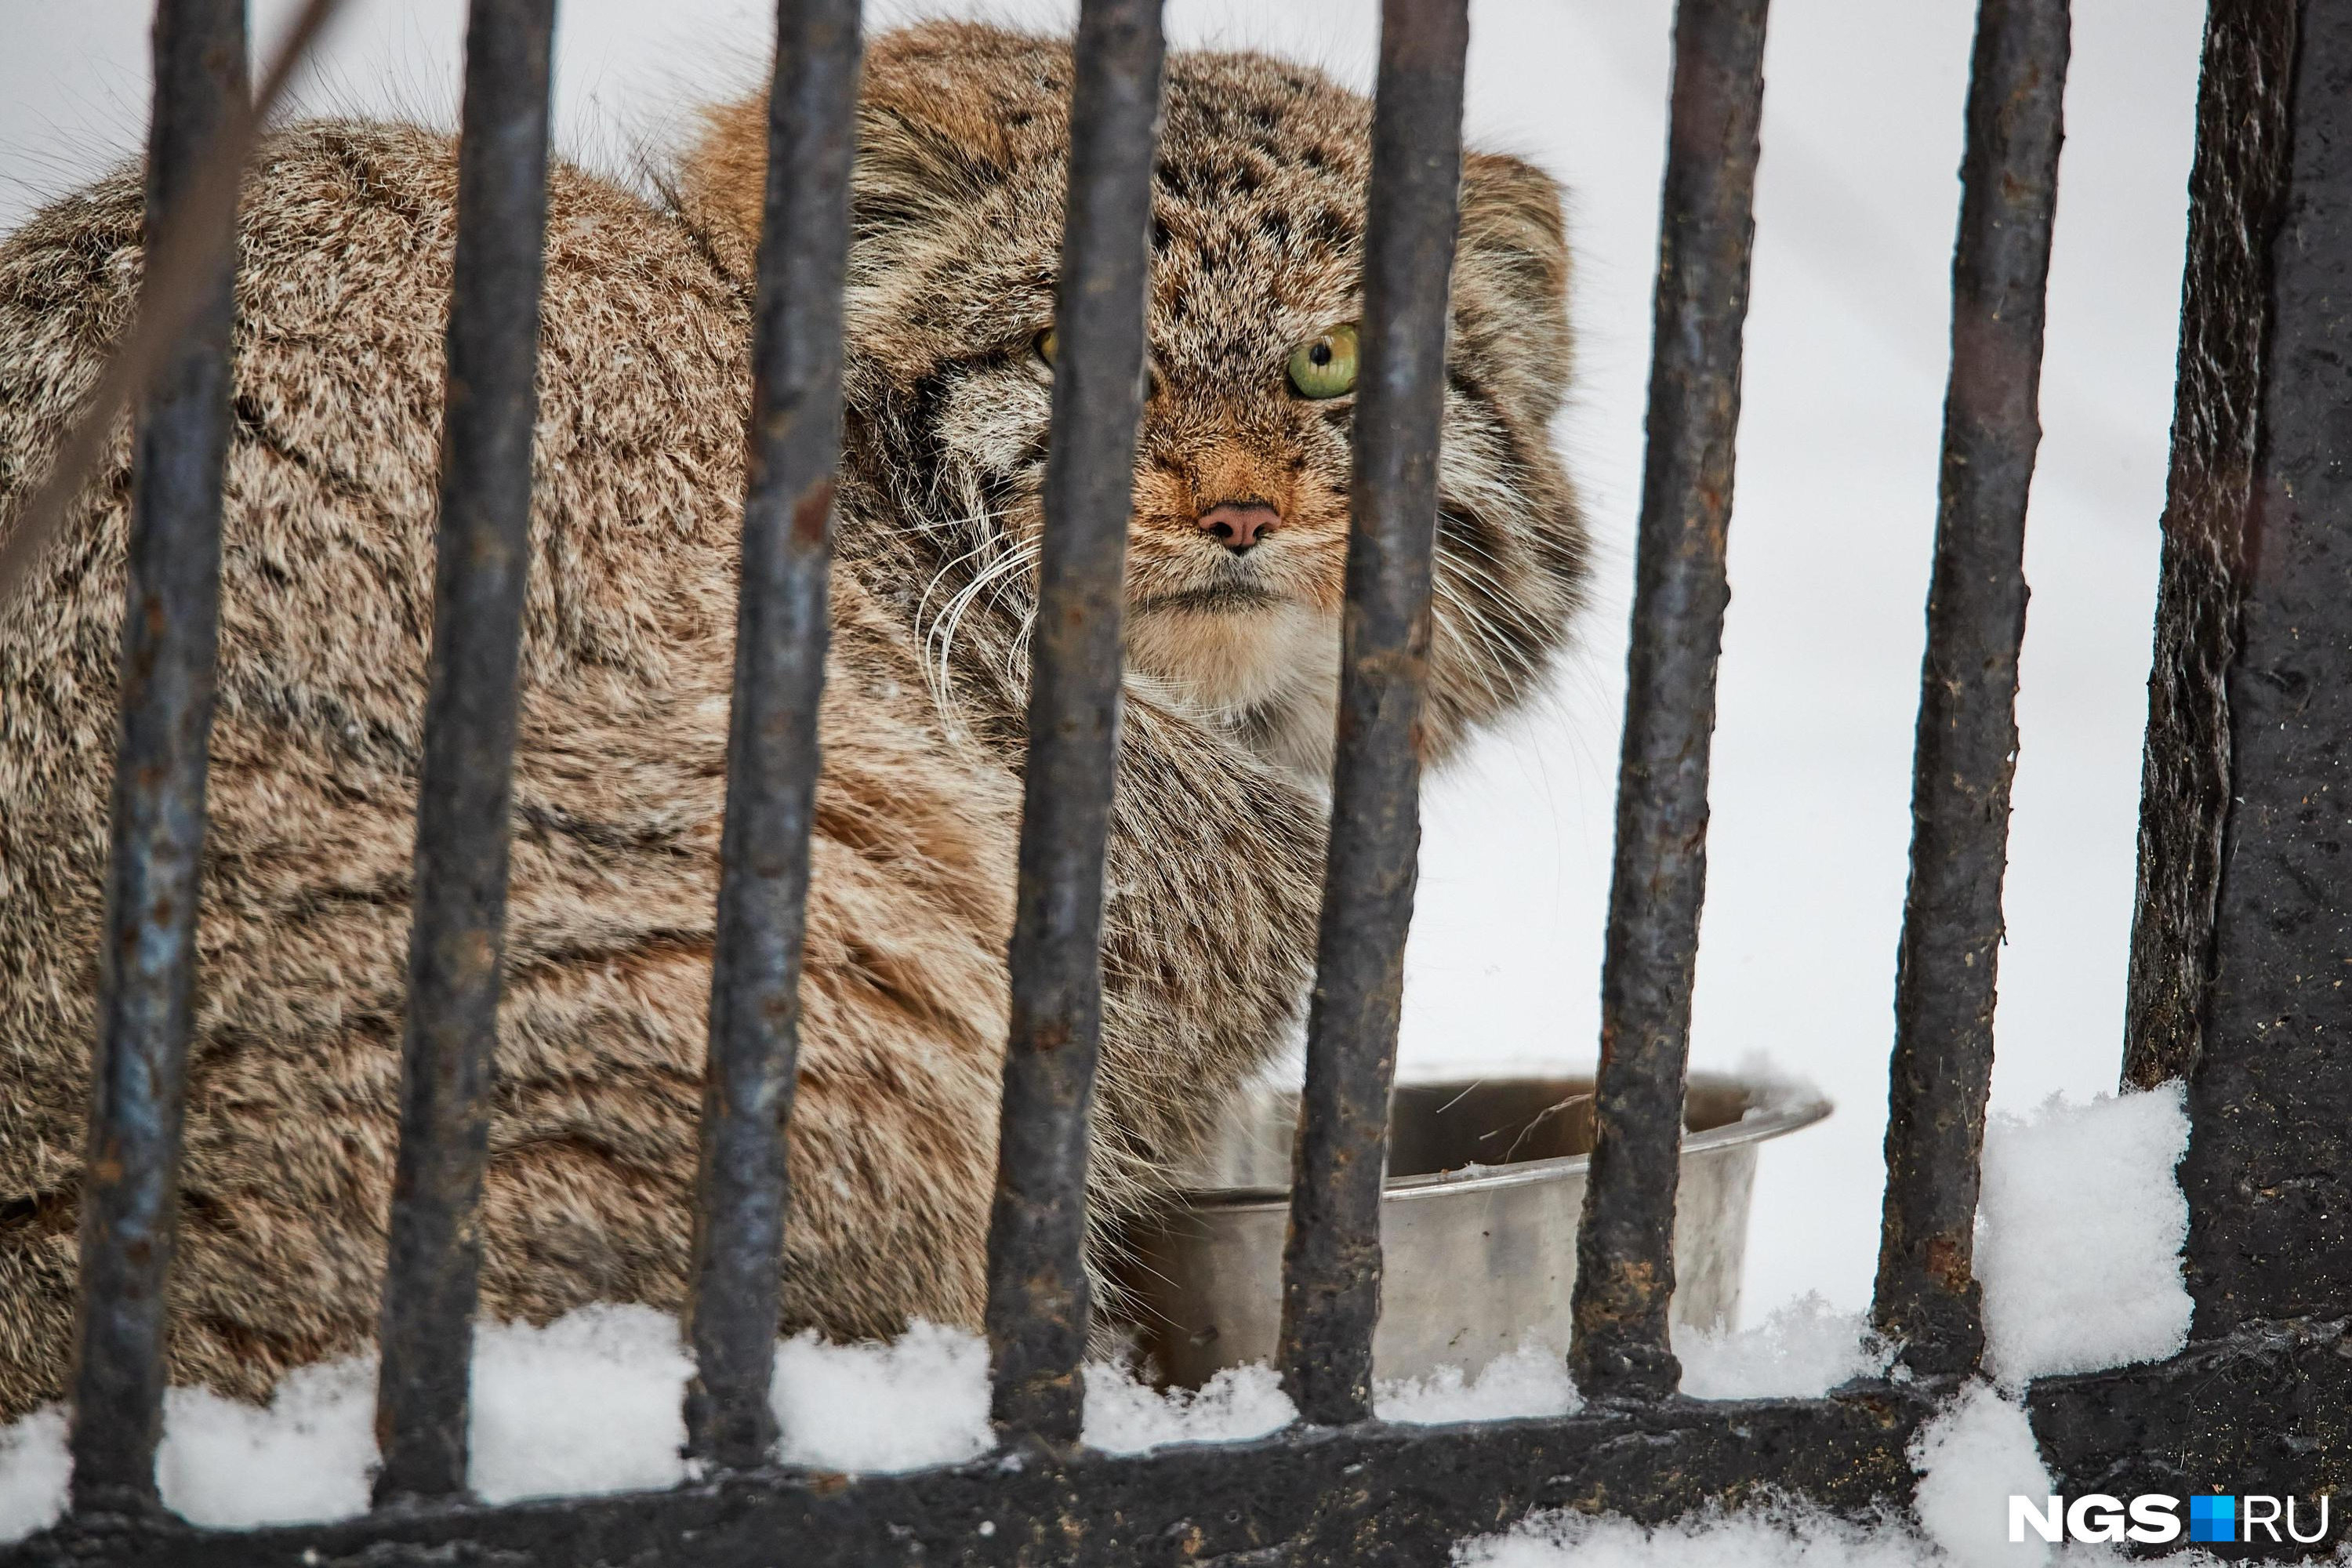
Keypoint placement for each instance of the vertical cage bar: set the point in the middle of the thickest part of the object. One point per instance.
(1945, 988)
(1624, 1249)
(780, 645)
(455, 944)
(147, 959)
(1331, 1255)
(2254, 637)
(2236, 188)
(1037, 1292)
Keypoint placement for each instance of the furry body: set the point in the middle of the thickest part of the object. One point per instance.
(1217, 830)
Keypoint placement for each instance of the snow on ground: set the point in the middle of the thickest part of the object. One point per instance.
(1970, 1458)
(1793, 1539)
(1530, 1380)
(33, 1474)
(1805, 1348)
(1124, 1416)
(2081, 1230)
(923, 1400)
(306, 1454)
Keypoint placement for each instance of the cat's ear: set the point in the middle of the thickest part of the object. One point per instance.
(1512, 230)
(1510, 280)
(914, 168)
(720, 186)
(947, 111)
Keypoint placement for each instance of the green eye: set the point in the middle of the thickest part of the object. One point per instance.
(1049, 343)
(1325, 365)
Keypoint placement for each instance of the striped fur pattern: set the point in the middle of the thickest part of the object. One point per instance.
(1217, 831)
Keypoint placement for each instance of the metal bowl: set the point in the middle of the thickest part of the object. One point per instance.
(1477, 1224)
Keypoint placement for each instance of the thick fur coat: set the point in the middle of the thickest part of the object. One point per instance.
(1216, 839)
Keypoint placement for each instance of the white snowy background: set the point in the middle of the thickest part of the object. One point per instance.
(1856, 203)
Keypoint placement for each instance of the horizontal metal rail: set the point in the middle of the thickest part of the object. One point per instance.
(1624, 1247)
(1331, 1257)
(781, 632)
(147, 958)
(1377, 1495)
(2276, 1404)
(455, 944)
(1945, 988)
(1037, 1290)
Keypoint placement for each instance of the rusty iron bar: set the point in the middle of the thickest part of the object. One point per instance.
(455, 945)
(1037, 1292)
(147, 961)
(1624, 1249)
(1331, 1254)
(1926, 1300)
(2236, 188)
(2268, 1170)
(735, 1285)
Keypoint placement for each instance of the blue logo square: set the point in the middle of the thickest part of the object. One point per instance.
(2212, 1518)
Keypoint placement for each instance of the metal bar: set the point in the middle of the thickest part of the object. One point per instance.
(1371, 1495)
(1037, 1292)
(2274, 1402)
(2236, 186)
(2268, 1173)
(1331, 1255)
(1965, 753)
(147, 961)
(455, 944)
(1625, 1265)
(735, 1286)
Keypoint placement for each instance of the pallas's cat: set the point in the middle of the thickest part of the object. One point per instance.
(1234, 599)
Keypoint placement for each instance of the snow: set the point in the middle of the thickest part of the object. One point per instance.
(1124, 1416)
(1972, 1458)
(1781, 1538)
(2079, 1235)
(2079, 1239)
(1790, 1539)
(591, 1403)
(33, 1474)
(305, 1456)
(2080, 1227)
(1530, 1380)
(1804, 1349)
(920, 1400)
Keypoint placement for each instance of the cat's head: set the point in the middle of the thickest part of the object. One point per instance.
(1238, 545)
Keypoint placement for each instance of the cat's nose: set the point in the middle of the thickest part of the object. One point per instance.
(1239, 525)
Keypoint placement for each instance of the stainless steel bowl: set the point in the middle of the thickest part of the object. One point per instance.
(1477, 1224)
